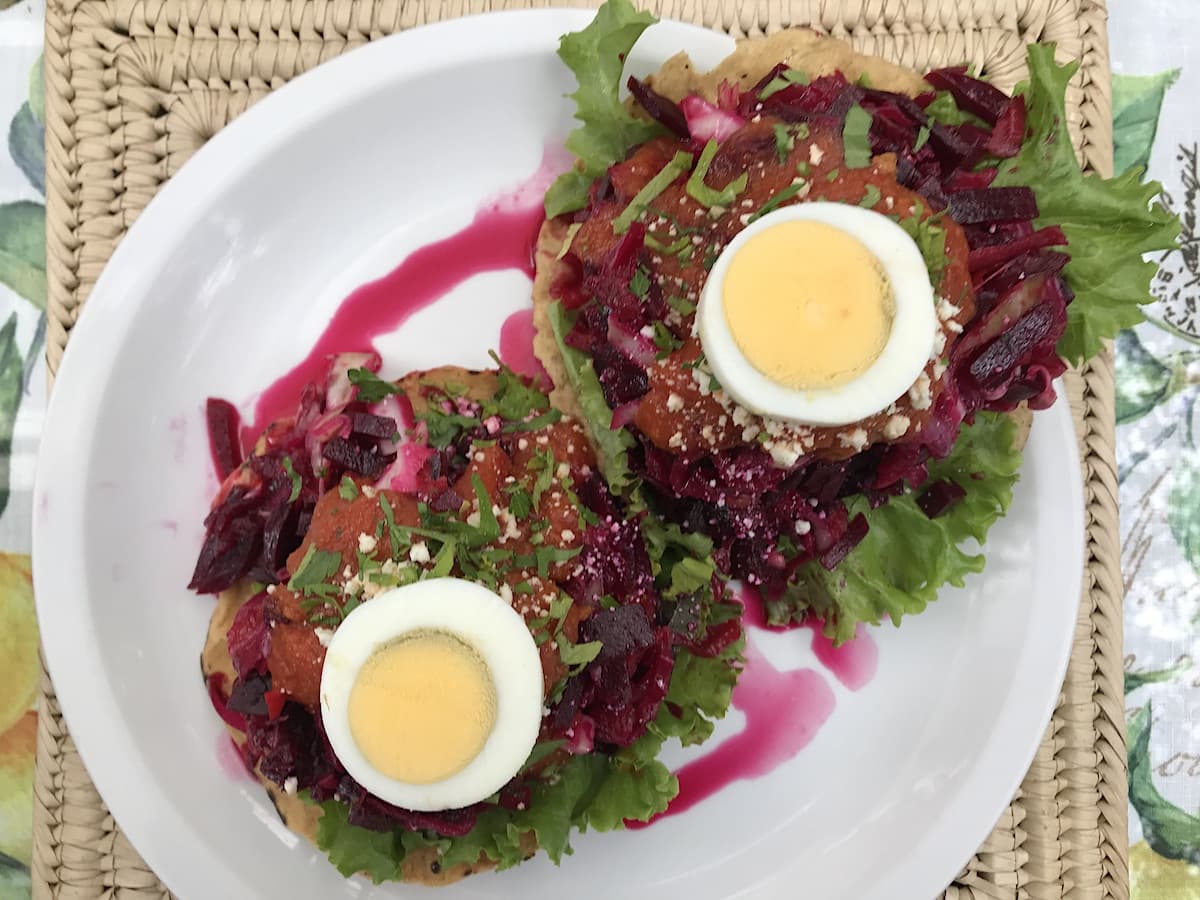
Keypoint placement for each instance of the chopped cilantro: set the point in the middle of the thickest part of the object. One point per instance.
(680, 164)
(777, 201)
(856, 138)
(443, 562)
(538, 422)
(559, 607)
(297, 482)
(784, 142)
(348, 490)
(870, 197)
(681, 305)
(802, 169)
(678, 246)
(543, 464)
(784, 80)
(577, 656)
(572, 230)
(639, 284)
(543, 557)
(832, 175)
(922, 138)
(702, 193)
(930, 240)
(520, 504)
(316, 568)
(665, 341)
(371, 388)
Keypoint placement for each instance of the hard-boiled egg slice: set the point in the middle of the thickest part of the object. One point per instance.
(431, 694)
(819, 314)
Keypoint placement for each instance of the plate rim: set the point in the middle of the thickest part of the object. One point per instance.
(292, 108)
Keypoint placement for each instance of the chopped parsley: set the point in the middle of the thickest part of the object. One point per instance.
(871, 196)
(832, 175)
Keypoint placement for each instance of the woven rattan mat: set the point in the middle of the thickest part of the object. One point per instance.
(135, 87)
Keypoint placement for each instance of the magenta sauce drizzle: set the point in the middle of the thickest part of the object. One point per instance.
(502, 236)
(784, 710)
(516, 347)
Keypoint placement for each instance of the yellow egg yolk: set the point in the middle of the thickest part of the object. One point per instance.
(808, 305)
(422, 707)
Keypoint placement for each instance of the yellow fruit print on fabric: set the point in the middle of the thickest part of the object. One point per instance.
(18, 722)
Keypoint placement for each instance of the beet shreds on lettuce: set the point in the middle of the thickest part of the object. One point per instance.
(1055, 265)
(638, 644)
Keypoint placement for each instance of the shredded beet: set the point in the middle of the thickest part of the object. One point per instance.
(938, 497)
(660, 108)
(969, 93)
(1007, 204)
(224, 423)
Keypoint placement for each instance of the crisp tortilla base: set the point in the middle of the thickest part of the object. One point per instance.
(752, 59)
(420, 866)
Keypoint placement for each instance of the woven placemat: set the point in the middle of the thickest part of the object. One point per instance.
(135, 87)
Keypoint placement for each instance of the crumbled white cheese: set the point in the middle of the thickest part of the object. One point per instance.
(419, 552)
(919, 393)
(568, 535)
(803, 526)
(473, 519)
(947, 310)
(896, 426)
(367, 543)
(784, 453)
(324, 636)
(856, 439)
(815, 154)
(674, 402)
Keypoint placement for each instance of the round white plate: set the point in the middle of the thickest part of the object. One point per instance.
(224, 283)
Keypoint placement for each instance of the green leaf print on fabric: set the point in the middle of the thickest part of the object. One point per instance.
(1142, 383)
(23, 250)
(37, 91)
(14, 879)
(11, 387)
(1169, 830)
(1183, 509)
(27, 146)
(27, 132)
(1137, 102)
(1135, 680)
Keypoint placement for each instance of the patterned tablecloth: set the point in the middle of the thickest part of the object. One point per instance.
(1156, 60)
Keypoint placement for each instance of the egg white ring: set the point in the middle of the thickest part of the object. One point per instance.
(487, 623)
(904, 356)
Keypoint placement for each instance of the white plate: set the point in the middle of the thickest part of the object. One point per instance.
(225, 281)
